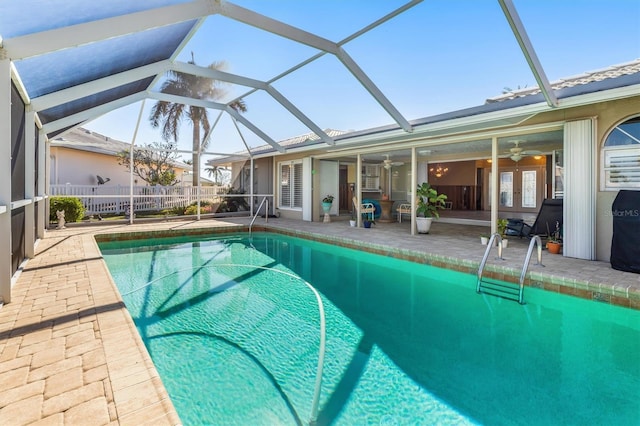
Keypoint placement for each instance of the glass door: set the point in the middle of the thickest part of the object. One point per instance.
(520, 189)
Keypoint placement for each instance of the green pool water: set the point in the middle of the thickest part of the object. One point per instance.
(235, 339)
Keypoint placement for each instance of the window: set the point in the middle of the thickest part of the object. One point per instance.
(290, 185)
(621, 156)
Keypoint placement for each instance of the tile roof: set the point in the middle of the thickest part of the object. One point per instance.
(613, 71)
(300, 140)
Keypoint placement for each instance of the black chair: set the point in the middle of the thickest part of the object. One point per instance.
(545, 223)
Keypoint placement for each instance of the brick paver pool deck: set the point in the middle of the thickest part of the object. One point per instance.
(70, 353)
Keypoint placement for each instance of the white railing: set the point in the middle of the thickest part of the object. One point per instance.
(104, 199)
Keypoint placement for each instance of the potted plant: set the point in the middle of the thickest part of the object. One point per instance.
(502, 230)
(484, 239)
(554, 244)
(353, 221)
(326, 203)
(429, 202)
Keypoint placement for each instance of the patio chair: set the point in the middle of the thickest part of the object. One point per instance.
(404, 208)
(365, 208)
(550, 213)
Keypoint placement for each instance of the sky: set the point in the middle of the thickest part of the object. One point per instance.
(438, 56)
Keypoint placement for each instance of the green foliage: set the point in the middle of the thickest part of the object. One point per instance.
(72, 206)
(502, 227)
(205, 207)
(153, 163)
(429, 201)
(234, 204)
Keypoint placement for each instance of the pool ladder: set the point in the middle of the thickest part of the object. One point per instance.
(503, 289)
(266, 213)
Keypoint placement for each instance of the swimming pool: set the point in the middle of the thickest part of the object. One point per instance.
(406, 343)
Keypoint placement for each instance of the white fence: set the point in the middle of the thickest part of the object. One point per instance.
(104, 199)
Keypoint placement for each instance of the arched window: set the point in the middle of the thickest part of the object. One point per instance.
(621, 156)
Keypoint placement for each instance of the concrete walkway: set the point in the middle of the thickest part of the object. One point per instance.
(70, 353)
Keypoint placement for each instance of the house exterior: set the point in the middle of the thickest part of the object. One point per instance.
(505, 157)
(80, 156)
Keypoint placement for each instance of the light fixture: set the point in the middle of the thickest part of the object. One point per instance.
(537, 157)
(438, 170)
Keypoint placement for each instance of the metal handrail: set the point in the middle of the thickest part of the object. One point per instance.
(535, 241)
(486, 255)
(255, 215)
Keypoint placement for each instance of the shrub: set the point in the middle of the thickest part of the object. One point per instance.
(72, 206)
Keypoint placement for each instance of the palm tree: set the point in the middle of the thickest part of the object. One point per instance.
(216, 172)
(169, 115)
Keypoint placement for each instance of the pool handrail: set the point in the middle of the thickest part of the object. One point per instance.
(255, 215)
(535, 241)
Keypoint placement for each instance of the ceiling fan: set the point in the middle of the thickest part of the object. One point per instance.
(517, 153)
(388, 163)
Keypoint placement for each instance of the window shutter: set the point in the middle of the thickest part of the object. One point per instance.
(297, 185)
(622, 168)
(285, 185)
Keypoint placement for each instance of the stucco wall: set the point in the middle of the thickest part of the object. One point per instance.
(78, 167)
(610, 115)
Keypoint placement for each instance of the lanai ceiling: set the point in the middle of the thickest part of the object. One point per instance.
(76, 60)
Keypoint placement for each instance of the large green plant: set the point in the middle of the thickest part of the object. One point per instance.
(429, 201)
(72, 206)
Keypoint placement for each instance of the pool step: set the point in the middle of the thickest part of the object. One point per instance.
(500, 289)
(504, 289)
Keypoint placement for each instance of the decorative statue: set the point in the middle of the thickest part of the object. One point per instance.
(61, 221)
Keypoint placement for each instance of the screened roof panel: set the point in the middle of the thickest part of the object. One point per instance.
(66, 68)
(248, 51)
(93, 100)
(24, 17)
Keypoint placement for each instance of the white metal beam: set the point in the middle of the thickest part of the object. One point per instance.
(520, 33)
(92, 113)
(357, 72)
(284, 30)
(218, 106)
(235, 114)
(90, 32)
(257, 84)
(81, 90)
(29, 182)
(5, 180)
(299, 115)
(273, 26)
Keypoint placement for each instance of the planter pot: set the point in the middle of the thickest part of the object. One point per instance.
(484, 240)
(423, 224)
(326, 207)
(505, 243)
(554, 248)
(352, 223)
(367, 224)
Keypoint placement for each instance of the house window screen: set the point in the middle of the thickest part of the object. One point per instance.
(290, 185)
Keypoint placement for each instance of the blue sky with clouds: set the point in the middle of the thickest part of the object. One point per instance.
(438, 56)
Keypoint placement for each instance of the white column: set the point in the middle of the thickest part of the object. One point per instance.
(579, 193)
(495, 185)
(43, 182)
(414, 188)
(29, 182)
(358, 193)
(307, 189)
(5, 180)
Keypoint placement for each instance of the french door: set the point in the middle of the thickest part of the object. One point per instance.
(521, 189)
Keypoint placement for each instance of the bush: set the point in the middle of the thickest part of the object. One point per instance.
(73, 208)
